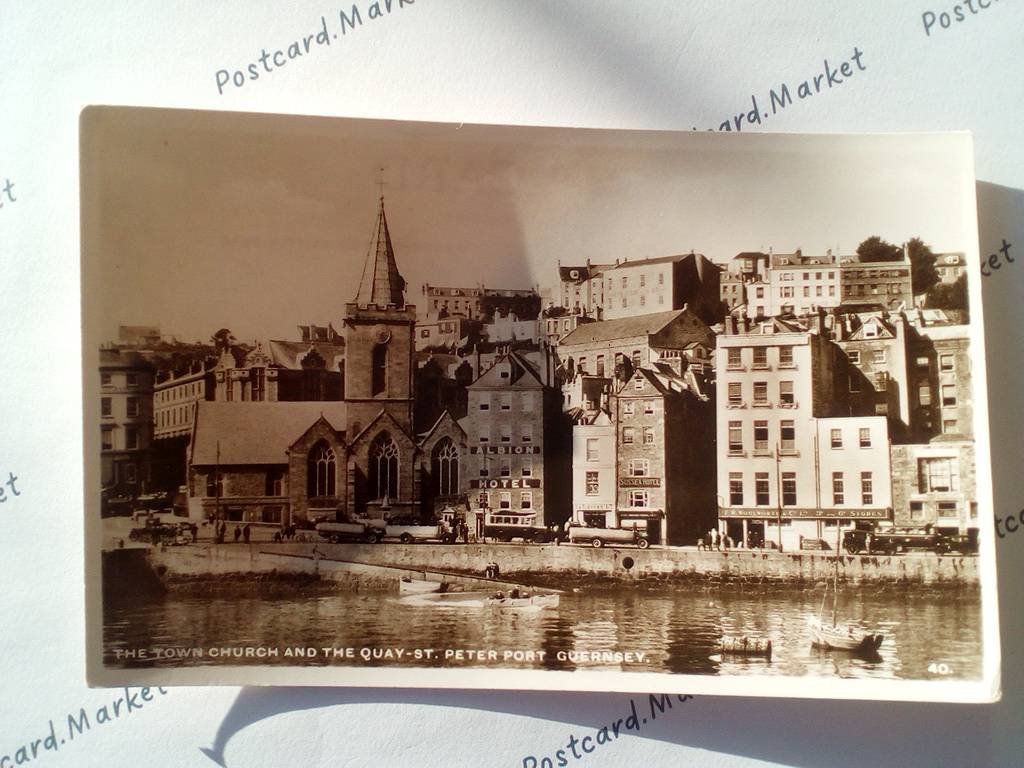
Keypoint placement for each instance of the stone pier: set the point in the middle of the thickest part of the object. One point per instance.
(388, 562)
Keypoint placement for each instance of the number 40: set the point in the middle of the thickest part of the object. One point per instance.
(940, 669)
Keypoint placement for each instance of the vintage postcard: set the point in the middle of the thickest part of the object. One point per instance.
(412, 404)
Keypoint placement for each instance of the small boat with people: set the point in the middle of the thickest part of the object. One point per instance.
(746, 646)
(447, 599)
(517, 599)
(408, 585)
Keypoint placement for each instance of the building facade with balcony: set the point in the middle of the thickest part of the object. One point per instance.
(787, 450)
(799, 284)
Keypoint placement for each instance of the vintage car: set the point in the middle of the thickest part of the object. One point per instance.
(892, 540)
(598, 537)
(408, 530)
(164, 529)
(339, 532)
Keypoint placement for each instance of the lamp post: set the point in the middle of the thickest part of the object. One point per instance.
(778, 494)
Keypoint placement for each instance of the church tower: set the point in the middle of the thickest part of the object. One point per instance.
(379, 341)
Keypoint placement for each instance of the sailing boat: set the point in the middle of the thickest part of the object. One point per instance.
(834, 637)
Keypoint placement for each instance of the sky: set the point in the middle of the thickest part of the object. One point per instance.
(195, 221)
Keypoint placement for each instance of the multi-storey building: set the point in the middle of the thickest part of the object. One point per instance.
(594, 464)
(450, 332)
(799, 284)
(175, 398)
(732, 291)
(634, 288)
(886, 284)
(556, 324)
(934, 477)
(950, 266)
(876, 375)
(507, 327)
(126, 423)
(311, 369)
(940, 380)
(478, 302)
(519, 445)
(601, 348)
(777, 402)
(664, 471)
(581, 289)
(745, 267)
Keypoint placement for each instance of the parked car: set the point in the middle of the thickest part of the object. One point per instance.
(892, 540)
(339, 532)
(598, 537)
(164, 529)
(408, 530)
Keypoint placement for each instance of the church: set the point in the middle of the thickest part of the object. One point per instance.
(344, 443)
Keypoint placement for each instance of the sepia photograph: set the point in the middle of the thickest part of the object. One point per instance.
(388, 403)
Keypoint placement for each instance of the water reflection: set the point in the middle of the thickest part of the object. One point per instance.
(676, 631)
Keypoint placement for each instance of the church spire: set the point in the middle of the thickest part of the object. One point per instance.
(381, 284)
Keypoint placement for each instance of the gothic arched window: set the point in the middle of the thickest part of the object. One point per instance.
(446, 468)
(383, 469)
(321, 470)
(379, 369)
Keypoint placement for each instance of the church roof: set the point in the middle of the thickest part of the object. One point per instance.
(254, 432)
(381, 284)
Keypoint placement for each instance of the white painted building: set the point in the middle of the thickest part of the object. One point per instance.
(788, 465)
(593, 469)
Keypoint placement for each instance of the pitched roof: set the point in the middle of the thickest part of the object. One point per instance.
(658, 260)
(521, 374)
(673, 321)
(289, 354)
(256, 433)
(381, 284)
(588, 417)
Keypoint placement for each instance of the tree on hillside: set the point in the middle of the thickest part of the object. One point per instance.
(923, 274)
(223, 339)
(949, 296)
(877, 249)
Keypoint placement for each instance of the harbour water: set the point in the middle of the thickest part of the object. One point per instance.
(676, 631)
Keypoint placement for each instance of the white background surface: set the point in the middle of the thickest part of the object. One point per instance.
(672, 65)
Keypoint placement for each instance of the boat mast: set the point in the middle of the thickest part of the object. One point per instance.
(835, 580)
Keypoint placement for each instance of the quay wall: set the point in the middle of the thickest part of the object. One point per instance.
(183, 563)
(386, 561)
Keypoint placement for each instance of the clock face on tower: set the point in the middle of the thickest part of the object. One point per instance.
(381, 334)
